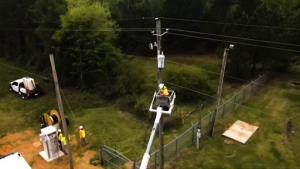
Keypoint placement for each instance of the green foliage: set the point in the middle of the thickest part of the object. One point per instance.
(191, 78)
(46, 16)
(134, 89)
(88, 57)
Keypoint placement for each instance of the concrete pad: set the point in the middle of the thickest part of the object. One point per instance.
(44, 155)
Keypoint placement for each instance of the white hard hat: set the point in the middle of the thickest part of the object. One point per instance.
(161, 85)
(59, 130)
(198, 130)
(80, 127)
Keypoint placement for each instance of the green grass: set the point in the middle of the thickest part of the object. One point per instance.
(268, 148)
(112, 127)
(104, 122)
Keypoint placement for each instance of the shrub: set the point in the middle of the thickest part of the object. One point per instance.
(191, 78)
(134, 89)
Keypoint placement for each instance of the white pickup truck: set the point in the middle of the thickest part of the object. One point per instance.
(25, 87)
(13, 161)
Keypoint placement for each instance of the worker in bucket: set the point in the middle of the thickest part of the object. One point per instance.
(163, 90)
(63, 141)
(82, 136)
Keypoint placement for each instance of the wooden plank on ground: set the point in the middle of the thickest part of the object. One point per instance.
(240, 131)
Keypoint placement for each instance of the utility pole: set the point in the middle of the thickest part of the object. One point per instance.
(158, 43)
(61, 110)
(220, 89)
(159, 80)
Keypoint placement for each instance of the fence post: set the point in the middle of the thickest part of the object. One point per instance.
(133, 166)
(193, 134)
(101, 155)
(223, 109)
(176, 147)
(235, 103)
(155, 157)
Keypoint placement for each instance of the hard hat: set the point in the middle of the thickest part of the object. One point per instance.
(198, 130)
(161, 85)
(80, 127)
(59, 130)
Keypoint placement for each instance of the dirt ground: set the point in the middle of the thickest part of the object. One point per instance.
(28, 145)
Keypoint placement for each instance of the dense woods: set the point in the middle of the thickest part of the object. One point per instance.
(91, 49)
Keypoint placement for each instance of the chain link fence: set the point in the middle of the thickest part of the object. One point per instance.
(188, 138)
(112, 159)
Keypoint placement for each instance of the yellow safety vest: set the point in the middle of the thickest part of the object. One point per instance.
(165, 92)
(62, 139)
(81, 134)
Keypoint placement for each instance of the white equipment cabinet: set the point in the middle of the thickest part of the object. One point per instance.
(49, 140)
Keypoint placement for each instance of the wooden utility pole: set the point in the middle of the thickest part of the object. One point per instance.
(61, 110)
(159, 80)
(220, 90)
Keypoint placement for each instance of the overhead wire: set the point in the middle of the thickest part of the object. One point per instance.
(216, 73)
(141, 29)
(210, 96)
(81, 30)
(167, 82)
(42, 77)
(235, 42)
(235, 37)
(23, 70)
(230, 23)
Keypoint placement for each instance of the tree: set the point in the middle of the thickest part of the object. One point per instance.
(86, 46)
(46, 19)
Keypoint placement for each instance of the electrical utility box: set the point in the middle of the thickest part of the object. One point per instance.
(50, 143)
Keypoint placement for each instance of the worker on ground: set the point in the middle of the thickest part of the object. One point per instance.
(82, 136)
(63, 141)
(163, 90)
(59, 135)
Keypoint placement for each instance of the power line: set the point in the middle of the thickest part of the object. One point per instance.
(147, 30)
(211, 96)
(234, 37)
(170, 61)
(58, 22)
(230, 23)
(25, 71)
(205, 70)
(235, 42)
(189, 89)
(217, 73)
(81, 30)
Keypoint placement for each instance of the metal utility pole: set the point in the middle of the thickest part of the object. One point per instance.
(220, 89)
(61, 110)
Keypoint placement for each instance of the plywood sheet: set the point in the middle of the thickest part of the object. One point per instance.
(240, 131)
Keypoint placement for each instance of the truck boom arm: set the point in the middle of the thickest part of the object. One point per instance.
(146, 156)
